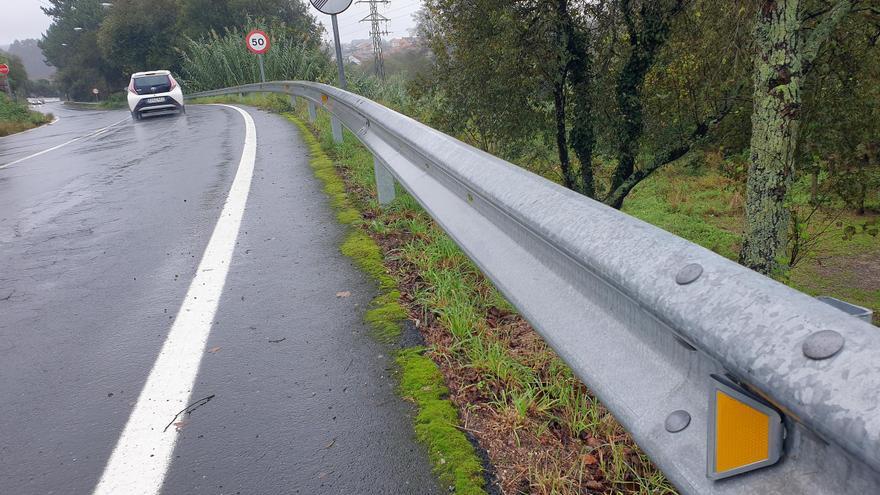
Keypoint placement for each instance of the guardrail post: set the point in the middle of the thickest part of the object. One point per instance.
(384, 182)
(313, 112)
(293, 100)
(336, 125)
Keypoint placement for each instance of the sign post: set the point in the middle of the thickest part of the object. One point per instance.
(95, 92)
(331, 8)
(339, 65)
(257, 42)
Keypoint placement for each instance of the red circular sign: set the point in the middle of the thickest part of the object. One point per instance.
(257, 41)
(4, 69)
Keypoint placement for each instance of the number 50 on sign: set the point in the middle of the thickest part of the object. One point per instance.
(257, 42)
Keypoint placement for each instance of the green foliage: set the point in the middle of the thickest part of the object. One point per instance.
(198, 17)
(840, 143)
(17, 77)
(43, 87)
(217, 61)
(139, 36)
(75, 52)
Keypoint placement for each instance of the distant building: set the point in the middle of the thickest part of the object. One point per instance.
(403, 44)
(354, 60)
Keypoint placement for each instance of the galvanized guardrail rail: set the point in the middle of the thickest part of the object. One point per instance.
(654, 325)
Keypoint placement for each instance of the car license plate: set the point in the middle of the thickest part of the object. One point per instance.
(155, 100)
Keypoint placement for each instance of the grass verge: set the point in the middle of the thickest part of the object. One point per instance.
(16, 117)
(841, 252)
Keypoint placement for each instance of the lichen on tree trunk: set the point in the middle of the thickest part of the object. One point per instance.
(784, 51)
(775, 119)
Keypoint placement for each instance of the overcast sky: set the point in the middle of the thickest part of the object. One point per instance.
(399, 13)
(23, 19)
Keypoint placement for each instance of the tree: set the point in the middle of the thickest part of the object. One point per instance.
(840, 124)
(137, 36)
(199, 17)
(18, 77)
(515, 76)
(787, 39)
(680, 79)
(71, 45)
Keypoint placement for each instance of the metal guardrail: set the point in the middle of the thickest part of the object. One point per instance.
(644, 318)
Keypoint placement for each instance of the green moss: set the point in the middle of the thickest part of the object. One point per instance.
(366, 254)
(385, 316)
(450, 451)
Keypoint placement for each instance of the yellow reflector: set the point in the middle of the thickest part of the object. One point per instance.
(741, 434)
(744, 432)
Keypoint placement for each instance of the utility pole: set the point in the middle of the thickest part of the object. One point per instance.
(376, 32)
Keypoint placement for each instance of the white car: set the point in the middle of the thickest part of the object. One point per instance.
(154, 93)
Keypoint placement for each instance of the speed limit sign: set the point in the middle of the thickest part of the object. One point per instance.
(257, 41)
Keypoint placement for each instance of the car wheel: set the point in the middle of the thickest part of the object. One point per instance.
(135, 115)
(183, 110)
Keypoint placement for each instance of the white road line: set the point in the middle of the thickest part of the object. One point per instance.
(53, 148)
(143, 452)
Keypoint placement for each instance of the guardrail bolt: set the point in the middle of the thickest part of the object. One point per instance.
(677, 421)
(823, 344)
(689, 273)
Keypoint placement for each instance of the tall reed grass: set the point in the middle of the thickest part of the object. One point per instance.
(222, 60)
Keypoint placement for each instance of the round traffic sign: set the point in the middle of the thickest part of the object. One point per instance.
(95, 91)
(331, 7)
(257, 41)
(4, 69)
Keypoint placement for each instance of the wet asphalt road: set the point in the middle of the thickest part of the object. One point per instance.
(99, 240)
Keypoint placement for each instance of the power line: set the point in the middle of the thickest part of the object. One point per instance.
(387, 12)
(377, 29)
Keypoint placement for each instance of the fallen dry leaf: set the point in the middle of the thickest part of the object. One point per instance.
(214, 350)
(344, 293)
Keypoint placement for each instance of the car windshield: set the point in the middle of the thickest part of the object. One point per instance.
(146, 82)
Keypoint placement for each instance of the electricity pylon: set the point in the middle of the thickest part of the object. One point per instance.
(376, 32)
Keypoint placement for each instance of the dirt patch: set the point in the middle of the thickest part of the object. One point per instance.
(859, 271)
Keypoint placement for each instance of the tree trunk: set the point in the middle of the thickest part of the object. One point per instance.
(775, 119)
(814, 186)
(784, 51)
(561, 141)
(645, 41)
(581, 135)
